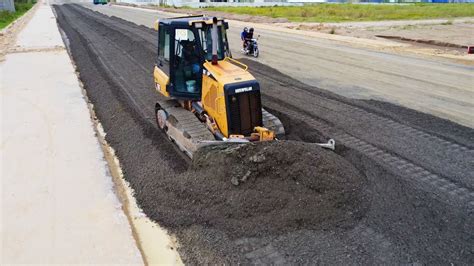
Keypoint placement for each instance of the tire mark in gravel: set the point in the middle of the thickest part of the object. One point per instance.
(454, 160)
(369, 235)
(144, 33)
(266, 255)
(260, 254)
(448, 147)
(127, 55)
(132, 99)
(348, 60)
(138, 105)
(131, 35)
(426, 180)
(363, 106)
(361, 110)
(146, 110)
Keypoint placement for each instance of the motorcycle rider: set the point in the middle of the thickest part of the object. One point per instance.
(248, 39)
(243, 37)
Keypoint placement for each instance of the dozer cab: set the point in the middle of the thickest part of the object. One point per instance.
(206, 96)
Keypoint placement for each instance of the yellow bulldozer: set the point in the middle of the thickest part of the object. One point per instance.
(206, 96)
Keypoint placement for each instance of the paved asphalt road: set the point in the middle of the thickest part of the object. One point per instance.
(436, 87)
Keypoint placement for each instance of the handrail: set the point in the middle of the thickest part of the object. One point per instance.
(244, 66)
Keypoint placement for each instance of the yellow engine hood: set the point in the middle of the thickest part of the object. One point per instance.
(226, 72)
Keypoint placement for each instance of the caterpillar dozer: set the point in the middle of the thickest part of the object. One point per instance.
(206, 96)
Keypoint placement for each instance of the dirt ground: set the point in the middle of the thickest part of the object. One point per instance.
(446, 35)
(397, 189)
(248, 18)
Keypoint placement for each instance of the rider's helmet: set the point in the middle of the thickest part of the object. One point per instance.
(251, 30)
(246, 29)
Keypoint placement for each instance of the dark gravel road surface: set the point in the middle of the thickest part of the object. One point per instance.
(398, 189)
(354, 67)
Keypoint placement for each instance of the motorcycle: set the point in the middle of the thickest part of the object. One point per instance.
(252, 47)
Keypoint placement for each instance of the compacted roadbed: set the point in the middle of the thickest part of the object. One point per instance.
(398, 188)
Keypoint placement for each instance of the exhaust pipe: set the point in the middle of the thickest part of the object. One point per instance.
(214, 37)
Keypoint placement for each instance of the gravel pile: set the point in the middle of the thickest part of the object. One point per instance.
(263, 188)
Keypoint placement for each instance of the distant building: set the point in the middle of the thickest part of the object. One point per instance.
(7, 5)
(201, 3)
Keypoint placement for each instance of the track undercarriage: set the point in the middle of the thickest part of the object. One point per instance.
(189, 131)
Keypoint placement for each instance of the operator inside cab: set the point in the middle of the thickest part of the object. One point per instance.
(187, 61)
(184, 44)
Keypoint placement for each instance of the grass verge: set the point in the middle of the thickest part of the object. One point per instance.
(7, 17)
(355, 12)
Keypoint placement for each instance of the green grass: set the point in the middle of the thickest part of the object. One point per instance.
(20, 8)
(355, 12)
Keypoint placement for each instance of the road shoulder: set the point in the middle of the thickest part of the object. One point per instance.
(58, 198)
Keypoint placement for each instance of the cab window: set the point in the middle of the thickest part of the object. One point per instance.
(205, 35)
(164, 43)
(186, 62)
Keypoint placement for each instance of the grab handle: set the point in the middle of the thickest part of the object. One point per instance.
(242, 65)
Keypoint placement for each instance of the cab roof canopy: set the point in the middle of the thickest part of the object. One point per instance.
(188, 20)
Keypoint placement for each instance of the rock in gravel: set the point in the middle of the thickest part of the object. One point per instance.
(257, 158)
(244, 178)
(234, 180)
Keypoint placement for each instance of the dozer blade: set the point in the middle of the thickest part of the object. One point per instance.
(189, 134)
